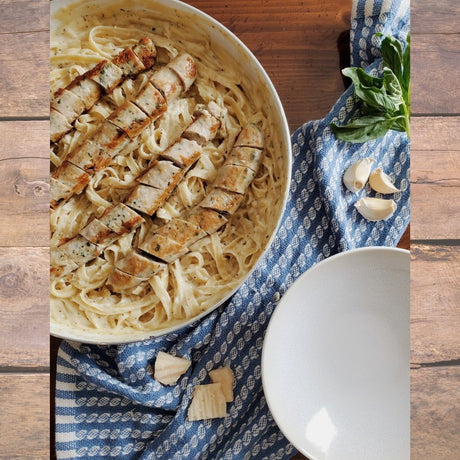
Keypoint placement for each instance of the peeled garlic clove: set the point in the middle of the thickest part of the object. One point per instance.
(355, 177)
(381, 182)
(374, 209)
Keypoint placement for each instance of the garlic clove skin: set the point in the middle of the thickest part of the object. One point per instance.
(375, 209)
(381, 182)
(356, 175)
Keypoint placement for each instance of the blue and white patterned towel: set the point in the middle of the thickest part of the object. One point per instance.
(107, 403)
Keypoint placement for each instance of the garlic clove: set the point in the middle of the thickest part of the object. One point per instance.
(381, 182)
(356, 175)
(374, 209)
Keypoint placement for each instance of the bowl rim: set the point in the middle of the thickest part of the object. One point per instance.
(58, 330)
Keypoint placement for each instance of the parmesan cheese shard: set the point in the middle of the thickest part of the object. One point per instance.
(224, 376)
(169, 368)
(208, 402)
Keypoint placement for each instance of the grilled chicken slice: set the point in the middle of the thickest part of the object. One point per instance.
(58, 191)
(106, 74)
(111, 138)
(222, 200)
(203, 128)
(184, 65)
(145, 50)
(162, 174)
(120, 281)
(130, 118)
(72, 177)
(181, 231)
(250, 136)
(129, 63)
(234, 178)
(139, 265)
(78, 249)
(163, 248)
(68, 104)
(248, 157)
(183, 152)
(59, 126)
(88, 91)
(168, 82)
(99, 234)
(133, 270)
(207, 219)
(146, 199)
(61, 265)
(121, 219)
(90, 157)
(151, 101)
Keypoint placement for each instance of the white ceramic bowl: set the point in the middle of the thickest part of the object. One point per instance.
(335, 360)
(255, 79)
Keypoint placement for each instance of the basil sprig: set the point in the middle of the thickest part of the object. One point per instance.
(385, 100)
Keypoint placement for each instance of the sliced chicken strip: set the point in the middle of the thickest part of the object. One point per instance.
(146, 199)
(248, 157)
(163, 248)
(99, 234)
(61, 266)
(183, 152)
(250, 136)
(139, 265)
(203, 128)
(168, 82)
(90, 157)
(59, 126)
(151, 101)
(78, 249)
(121, 219)
(207, 219)
(181, 231)
(72, 176)
(58, 191)
(145, 50)
(120, 281)
(162, 174)
(68, 104)
(111, 138)
(130, 118)
(106, 74)
(129, 63)
(87, 90)
(222, 200)
(234, 178)
(184, 65)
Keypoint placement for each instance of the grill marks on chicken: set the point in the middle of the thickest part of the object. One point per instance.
(68, 103)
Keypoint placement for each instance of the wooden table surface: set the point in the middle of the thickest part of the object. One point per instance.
(296, 41)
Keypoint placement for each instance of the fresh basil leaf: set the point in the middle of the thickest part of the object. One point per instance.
(392, 54)
(405, 81)
(363, 129)
(393, 87)
(370, 90)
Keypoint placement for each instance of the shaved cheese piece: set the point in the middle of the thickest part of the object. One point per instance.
(169, 368)
(208, 402)
(224, 376)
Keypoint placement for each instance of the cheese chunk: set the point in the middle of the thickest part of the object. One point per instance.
(208, 402)
(224, 376)
(169, 368)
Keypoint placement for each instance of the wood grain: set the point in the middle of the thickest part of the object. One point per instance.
(435, 414)
(24, 423)
(24, 16)
(434, 59)
(24, 300)
(435, 292)
(24, 183)
(435, 17)
(435, 178)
